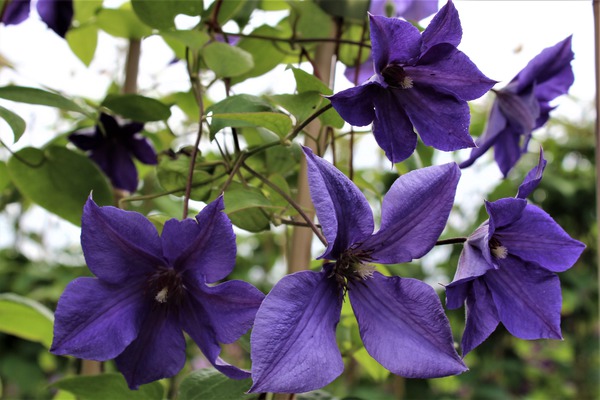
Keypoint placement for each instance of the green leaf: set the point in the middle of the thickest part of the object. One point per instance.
(16, 123)
(347, 9)
(161, 14)
(300, 105)
(275, 122)
(4, 178)
(108, 386)
(309, 20)
(85, 10)
(349, 53)
(226, 60)
(209, 384)
(26, 319)
(172, 175)
(266, 54)
(29, 95)
(83, 41)
(246, 207)
(59, 180)
(137, 108)
(236, 104)
(373, 368)
(122, 23)
(192, 39)
(228, 9)
(306, 82)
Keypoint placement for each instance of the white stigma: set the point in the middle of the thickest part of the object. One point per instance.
(499, 252)
(406, 83)
(365, 271)
(161, 297)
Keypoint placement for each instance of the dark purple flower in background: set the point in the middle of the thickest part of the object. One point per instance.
(56, 14)
(507, 270)
(420, 80)
(149, 288)
(411, 10)
(524, 105)
(112, 147)
(401, 320)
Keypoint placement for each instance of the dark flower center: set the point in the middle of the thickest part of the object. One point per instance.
(497, 249)
(395, 76)
(352, 266)
(166, 286)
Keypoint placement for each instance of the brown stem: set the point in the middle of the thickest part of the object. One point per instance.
(132, 66)
(293, 41)
(451, 241)
(90, 367)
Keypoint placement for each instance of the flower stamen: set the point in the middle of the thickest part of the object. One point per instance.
(497, 249)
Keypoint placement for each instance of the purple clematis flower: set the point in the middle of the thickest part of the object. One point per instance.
(524, 105)
(401, 320)
(56, 14)
(148, 288)
(420, 80)
(112, 146)
(507, 270)
(412, 10)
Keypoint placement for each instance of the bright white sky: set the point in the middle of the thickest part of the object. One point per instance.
(499, 36)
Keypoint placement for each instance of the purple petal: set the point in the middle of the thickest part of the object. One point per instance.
(392, 128)
(414, 214)
(445, 68)
(496, 126)
(142, 149)
(550, 70)
(441, 120)
(114, 159)
(533, 178)
(482, 317)
(16, 11)
(343, 211)
(119, 245)
(536, 237)
(108, 125)
(356, 105)
(196, 321)
(415, 10)
(475, 258)
(158, 352)
(443, 28)
(365, 71)
(521, 110)
(504, 212)
(393, 41)
(508, 148)
(96, 321)
(230, 308)
(293, 345)
(403, 326)
(203, 248)
(86, 140)
(57, 14)
(527, 298)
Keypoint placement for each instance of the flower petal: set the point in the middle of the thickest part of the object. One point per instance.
(57, 14)
(343, 211)
(141, 148)
(508, 149)
(195, 319)
(205, 247)
(448, 69)
(415, 10)
(533, 178)
(16, 11)
(365, 71)
(355, 105)
(441, 119)
(549, 70)
(414, 214)
(96, 321)
(527, 298)
(392, 128)
(536, 237)
(118, 245)
(475, 258)
(496, 126)
(86, 139)
(293, 345)
(393, 41)
(443, 28)
(403, 326)
(158, 352)
(230, 307)
(521, 110)
(482, 317)
(504, 212)
(114, 159)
